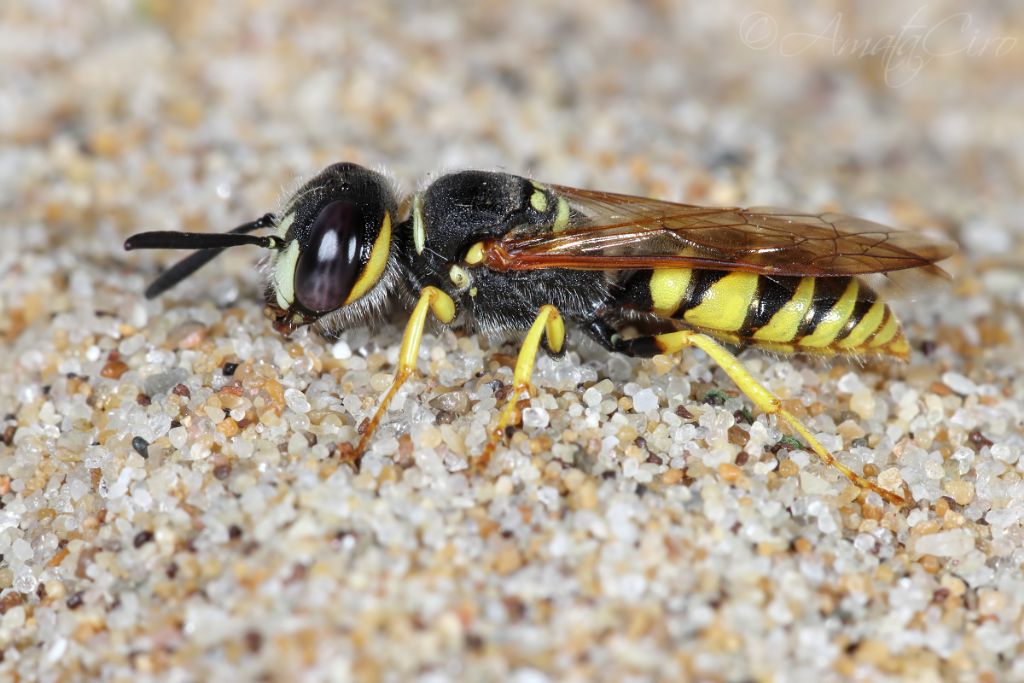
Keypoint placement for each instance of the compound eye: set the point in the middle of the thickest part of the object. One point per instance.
(329, 265)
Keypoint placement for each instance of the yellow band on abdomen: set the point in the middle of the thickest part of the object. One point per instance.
(833, 322)
(668, 287)
(868, 324)
(889, 329)
(725, 304)
(785, 323)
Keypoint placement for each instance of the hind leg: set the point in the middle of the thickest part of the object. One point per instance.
(674, 342)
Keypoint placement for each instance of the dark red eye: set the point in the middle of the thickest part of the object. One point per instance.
(328, 266)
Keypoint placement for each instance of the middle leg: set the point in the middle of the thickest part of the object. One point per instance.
(548, 327)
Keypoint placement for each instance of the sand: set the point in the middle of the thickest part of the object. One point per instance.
(173, 500)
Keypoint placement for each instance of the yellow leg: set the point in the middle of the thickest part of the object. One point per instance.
(432, 300)
(674, 342)
(547, 323)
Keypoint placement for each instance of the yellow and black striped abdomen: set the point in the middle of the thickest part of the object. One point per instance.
(786, 314)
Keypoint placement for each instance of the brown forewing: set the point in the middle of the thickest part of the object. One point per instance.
(614, 231)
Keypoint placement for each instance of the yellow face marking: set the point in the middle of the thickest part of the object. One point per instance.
(472, 291)
(539, 201)
(419, 230)
(834, 321)
(786, 321)
(285, 225)
(561, 215)
(475, 254)
(459, 277)
(888, 331)
(668, 287)
(725, 304)
(868, 324)
(284, 275)
(374, 268)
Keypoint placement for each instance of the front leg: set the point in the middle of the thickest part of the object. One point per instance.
(432, 300)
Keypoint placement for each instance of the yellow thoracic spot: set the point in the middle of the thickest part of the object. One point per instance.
(284, 274)
(868, 324)
(668, 287)
(472, 291)
(834, 321)
(475, 254)
(784, 324)
(374, 268)
(561, 215)
(539, 201)
(459, 277)
(419, 230)
(725, 304)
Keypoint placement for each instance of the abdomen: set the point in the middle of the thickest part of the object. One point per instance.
(786, 314)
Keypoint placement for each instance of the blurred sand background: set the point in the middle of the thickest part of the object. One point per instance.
(609, 543)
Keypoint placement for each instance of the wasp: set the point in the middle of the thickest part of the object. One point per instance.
(508, 255)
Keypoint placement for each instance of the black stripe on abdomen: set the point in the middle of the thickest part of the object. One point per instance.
(773, 293)
(827, 292)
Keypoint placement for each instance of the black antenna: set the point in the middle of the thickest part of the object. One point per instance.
(210, 244)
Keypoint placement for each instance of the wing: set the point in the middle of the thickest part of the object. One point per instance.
(608, 231)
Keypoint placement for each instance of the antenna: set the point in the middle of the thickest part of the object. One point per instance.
(210, 245)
